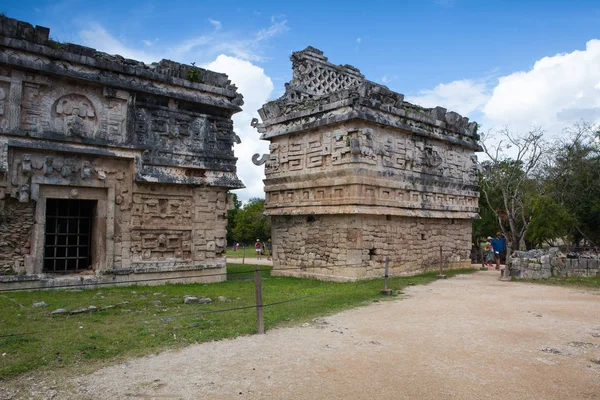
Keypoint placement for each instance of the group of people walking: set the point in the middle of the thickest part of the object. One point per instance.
(261, 248)
(495, 250)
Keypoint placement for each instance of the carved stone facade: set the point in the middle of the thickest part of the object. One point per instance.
(355, 175)
(149, 150)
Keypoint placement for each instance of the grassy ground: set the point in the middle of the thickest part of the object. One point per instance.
(250, 253)
(593, 282)
(155, 318)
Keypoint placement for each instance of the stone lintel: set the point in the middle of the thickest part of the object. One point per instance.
(180, 88)
(345, 113)
(417, 212)
(163, 174)
(20, 35)
(361, 176)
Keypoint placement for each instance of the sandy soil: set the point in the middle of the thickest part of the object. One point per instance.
(470, 337)
(250, 261)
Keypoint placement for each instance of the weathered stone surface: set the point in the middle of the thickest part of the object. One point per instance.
(40, 304)
(542, 264)
(151, 145)
(60, 311)
(356, 174)
(194, 299)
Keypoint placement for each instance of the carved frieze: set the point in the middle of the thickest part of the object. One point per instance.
(28, 169)
(183, 139)
(74, 115)
(4, 105)
(161, 245)
(73, 111)
(161, 210)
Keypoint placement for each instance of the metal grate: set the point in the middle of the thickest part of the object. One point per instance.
(68, 235)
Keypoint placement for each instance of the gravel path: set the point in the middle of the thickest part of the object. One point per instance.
(470, 337)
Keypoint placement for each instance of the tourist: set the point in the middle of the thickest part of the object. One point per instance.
(489, 252)
(498, 244)
(269, 249)
(258, 248)
(503, 252)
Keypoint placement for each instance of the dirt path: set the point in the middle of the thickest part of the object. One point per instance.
(471, 337)
(249, 261)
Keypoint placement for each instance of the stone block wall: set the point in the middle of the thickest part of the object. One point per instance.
(16, 224)
(355, 174)
(148, 146)
(537, 265)
(349, 247)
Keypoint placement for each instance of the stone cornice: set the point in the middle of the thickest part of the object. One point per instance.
(321, 93)
(372, 210)
(18, 37)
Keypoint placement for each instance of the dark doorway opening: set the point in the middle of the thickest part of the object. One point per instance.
(68, 235)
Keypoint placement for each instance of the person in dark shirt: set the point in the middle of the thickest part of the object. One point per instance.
(498, 244)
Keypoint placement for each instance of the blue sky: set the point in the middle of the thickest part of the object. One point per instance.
(503, 63)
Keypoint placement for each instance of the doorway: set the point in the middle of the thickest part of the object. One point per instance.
(68, 235)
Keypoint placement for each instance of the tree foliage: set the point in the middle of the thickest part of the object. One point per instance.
(508, 180)
(573, 180)
(549, 221)
(251, 223)
(237, 205)
(536, 191)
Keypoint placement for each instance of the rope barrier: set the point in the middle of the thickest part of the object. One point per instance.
(201, 313)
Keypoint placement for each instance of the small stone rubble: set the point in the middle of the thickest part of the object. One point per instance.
(543, 264)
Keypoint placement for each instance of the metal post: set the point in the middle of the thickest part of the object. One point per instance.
(260, 319)
(441, 275)
(386, 290)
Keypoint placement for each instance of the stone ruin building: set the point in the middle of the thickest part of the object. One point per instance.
(356, 174)
(111, 170)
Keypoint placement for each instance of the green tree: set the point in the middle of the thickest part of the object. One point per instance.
(251, 223)
(509, 179)
(237, 205)
(573, 180)
(549, 221)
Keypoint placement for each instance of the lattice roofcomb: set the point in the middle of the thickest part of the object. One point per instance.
(321, 93)
(313, 75)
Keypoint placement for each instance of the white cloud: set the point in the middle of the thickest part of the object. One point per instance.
(384, 79)
(200, 49)
(358, 40)
(215, 23)
(555, 93)
(99, 38)
(256, 87)
(149, 43)
(463, 96)
(275, 29)
(215, 43)
(250, 79)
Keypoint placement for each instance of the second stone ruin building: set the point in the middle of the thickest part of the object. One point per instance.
(356, 174)
(111, 170)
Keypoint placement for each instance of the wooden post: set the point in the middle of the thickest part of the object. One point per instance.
(386, 290)
(441, 275)
(243, 253)
(260, 319)
(505, 276)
